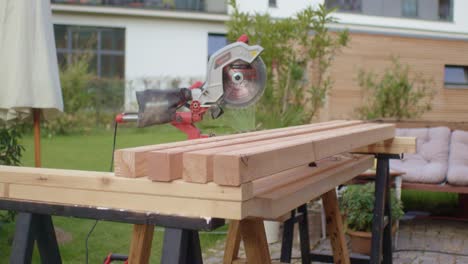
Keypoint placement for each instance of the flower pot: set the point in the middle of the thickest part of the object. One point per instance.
(361, 242)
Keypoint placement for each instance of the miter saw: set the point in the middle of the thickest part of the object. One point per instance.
(235, 78)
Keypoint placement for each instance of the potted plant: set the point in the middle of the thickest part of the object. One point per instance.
(357, 204)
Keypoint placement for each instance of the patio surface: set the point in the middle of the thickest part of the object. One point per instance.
(420, 241)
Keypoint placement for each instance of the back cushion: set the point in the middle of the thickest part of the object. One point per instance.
(458, 159)
(429, 164)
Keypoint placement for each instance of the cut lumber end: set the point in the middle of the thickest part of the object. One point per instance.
(196, 168)
(125, 164)
(396, 145)
(159, 166)
(228, 169)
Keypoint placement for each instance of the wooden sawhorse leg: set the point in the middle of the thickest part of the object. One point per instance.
(252, 232)
(34, 227)
(334, 228)
(140, 247)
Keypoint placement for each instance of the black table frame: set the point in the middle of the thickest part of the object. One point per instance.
(34, 223)
(381, 251)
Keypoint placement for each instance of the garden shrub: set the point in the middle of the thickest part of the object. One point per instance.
(11, 152)
(397, 94)
(292, 46)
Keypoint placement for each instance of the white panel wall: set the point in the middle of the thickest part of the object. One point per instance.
(284, 8)
(157, 46)
(156, 50)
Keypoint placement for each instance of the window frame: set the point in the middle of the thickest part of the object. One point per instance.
(98, 51)
(449, 85)
(417, 9)
(338, 9)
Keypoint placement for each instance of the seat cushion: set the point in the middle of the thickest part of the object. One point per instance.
(430, 163)
(458, 159)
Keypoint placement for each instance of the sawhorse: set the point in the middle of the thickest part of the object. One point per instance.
(34, 223)
(381, 232)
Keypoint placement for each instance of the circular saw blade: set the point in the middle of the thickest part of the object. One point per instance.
(243, 83)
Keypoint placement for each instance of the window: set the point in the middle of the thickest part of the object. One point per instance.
(409, 8)
(345, 5)
(272, 3)
(456, 76)
(216, 42)
(105, 45)
(446, 10)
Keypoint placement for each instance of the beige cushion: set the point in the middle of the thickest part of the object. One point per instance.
(458, 159)
(429, 164)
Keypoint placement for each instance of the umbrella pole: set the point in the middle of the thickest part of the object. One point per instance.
(37, 136)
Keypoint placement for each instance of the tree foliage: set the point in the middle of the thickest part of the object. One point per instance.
(293, 47)
(396, 94)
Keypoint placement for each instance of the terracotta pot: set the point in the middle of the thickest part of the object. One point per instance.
(361, 241)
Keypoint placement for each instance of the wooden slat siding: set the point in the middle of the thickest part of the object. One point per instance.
(131, 162)
(274, 203)
(198, 165)
(167, 165)
(396, 145)
(190, 207)
(107, 182)
(236, 167)
(373, 52)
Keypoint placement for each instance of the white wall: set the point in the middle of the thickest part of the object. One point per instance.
(286, 8)
(156, 50)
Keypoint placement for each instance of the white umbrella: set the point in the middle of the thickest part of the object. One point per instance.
(29, 79)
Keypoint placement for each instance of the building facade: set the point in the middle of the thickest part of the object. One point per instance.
(167, 42)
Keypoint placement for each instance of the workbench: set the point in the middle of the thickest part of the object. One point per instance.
(245, 178)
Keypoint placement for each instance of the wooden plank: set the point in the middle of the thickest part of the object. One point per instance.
(199, 165)
(267, 184)
(190, 207)
(279, 201)
(335, 227)
(166, 165)
(131, 162)
(396, 145)
(107, 182)
(239, 166)
(140, 247)
(255, 243)
(233, 239)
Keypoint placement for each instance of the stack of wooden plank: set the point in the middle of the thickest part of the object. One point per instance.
(258, 174)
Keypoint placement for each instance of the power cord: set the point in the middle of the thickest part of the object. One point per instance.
(110, 169)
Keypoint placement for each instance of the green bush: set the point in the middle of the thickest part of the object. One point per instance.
(88, 101)
(357, 204)
(290, 50)
(396, 94)
(11, 152)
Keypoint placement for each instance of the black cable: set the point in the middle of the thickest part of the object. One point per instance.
(87, 238)
(113, 146)
(110, 169)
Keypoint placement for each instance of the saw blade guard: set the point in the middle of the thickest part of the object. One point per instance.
(236, 70)
(243, 83)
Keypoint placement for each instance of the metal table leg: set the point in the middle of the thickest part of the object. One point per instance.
(181, 246)
(30, 228)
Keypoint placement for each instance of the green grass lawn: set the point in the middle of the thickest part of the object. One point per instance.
(92, 151)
